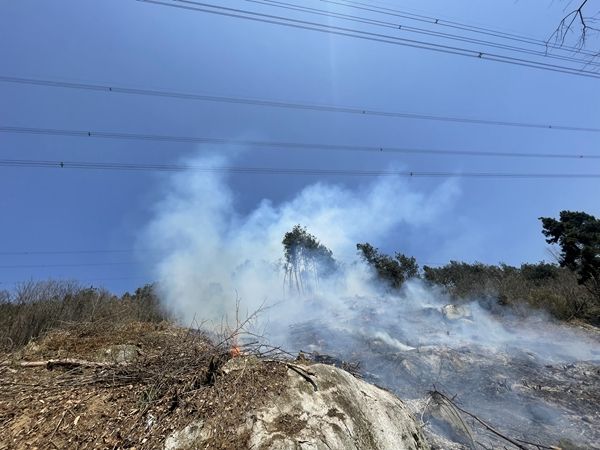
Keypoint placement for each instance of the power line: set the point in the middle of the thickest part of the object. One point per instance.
(137, 167)
(404, 28)
(459, 26)
(287, 105)
(62, 278)
(66, 252)
(288, 145)
(44, 266)
(375, 37)
(82, 252)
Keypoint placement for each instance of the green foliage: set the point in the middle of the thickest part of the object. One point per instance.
(578, 236)
(540, 273)
(150, 309)
(467, 280)
(306, 260)
(543, 286)
(395, 271)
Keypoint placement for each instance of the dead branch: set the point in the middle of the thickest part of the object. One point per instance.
(538, 446)
(304, 373)
(453, 414)
(62, 417)
(52, 363)
(491, 429)
(232, 335)
(574, 18)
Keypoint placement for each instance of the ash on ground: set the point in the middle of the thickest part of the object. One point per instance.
(538, 385)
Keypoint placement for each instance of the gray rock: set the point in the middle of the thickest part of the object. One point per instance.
(187, 437)
(120, 354)
(344, 413)
(455, 312)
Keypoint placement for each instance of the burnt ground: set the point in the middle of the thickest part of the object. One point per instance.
(519, 393)
(161, 377)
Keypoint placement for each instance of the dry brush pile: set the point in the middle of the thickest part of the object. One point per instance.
(128, 386)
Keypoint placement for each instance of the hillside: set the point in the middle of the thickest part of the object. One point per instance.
(152, 386)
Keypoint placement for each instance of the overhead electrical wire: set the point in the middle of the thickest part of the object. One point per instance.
(66, 252)
(290, 145)
(63, 278)
(361, 34)
(81, 252)
(284, 104)
(167, 167)
(43, 266)
(404, 28)
(137, 167)
(431, 20)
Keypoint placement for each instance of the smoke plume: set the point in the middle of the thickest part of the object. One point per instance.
(211, 255)
(409, 340)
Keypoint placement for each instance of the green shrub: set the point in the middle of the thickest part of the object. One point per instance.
(541, 286)
(393, 271)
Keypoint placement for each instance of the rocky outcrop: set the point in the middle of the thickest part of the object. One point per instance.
(334, 411)
(456, 312)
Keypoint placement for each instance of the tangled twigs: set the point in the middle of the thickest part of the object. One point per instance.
(520, 444)
(575, 18)
(351, 367)
(304, 373)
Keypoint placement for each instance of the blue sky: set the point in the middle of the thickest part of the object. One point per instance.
(130, 43)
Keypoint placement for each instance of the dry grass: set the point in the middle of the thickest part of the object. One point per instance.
(175, 380)
(167, 378)
(35, 308)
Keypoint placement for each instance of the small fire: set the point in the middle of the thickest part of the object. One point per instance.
(235, 351)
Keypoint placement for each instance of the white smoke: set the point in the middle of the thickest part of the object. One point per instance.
(212, 255)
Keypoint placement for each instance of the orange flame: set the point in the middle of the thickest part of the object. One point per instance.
(235, 351)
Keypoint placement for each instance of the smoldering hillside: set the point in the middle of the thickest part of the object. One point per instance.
(530, 376)
(211, 254)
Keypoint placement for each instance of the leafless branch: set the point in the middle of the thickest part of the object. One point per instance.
(520, 444)
(52, 363)
(579, 20)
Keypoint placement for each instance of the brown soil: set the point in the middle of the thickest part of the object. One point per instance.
(174, 381)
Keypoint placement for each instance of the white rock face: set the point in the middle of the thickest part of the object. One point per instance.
(455, 312)
(186, 438)
(344, 413)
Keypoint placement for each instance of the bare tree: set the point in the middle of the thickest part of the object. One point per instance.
(4, 296)
(582, 21)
